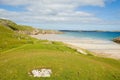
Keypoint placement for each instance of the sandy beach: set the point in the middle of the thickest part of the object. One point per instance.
(102, 48)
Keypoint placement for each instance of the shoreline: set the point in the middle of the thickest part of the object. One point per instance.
(102, 48)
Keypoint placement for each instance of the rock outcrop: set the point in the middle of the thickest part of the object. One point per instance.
(41, 73)
(117, 40)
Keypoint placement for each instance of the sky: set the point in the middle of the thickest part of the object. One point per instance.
(63, 14)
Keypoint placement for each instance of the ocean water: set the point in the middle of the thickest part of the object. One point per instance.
(92, 34)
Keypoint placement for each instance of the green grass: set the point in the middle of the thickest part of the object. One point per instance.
(10, 39)
(19, 54)
(13, 26)
(66, 63)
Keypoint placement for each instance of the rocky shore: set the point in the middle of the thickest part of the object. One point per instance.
(117, 40)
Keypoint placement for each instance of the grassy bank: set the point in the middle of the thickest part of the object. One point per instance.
(10, 39)
(66, 63)
(19, 54)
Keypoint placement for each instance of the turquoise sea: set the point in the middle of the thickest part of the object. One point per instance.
(92, 34)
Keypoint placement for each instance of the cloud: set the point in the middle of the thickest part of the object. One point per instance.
(42, 11)
(64, 17)
(33, 2)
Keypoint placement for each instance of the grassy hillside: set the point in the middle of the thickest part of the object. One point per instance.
(12, 34)
(9, 38)
(15, 27)
(19, 54)
(66, 63)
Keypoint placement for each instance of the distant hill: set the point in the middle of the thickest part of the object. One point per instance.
(18, 28)
(25, 29)
(87, 31)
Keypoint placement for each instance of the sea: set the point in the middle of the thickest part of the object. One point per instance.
(92, 34)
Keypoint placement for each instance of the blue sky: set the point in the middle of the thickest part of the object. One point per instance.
(64, 14)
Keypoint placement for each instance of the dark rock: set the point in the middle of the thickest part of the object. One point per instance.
(117, 40)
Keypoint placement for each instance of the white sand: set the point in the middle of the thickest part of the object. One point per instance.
(102, 48)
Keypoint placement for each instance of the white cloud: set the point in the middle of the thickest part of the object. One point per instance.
(79, 2)
(38, 11)
(66, 17)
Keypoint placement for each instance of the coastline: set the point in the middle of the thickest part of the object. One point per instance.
(101, 48)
